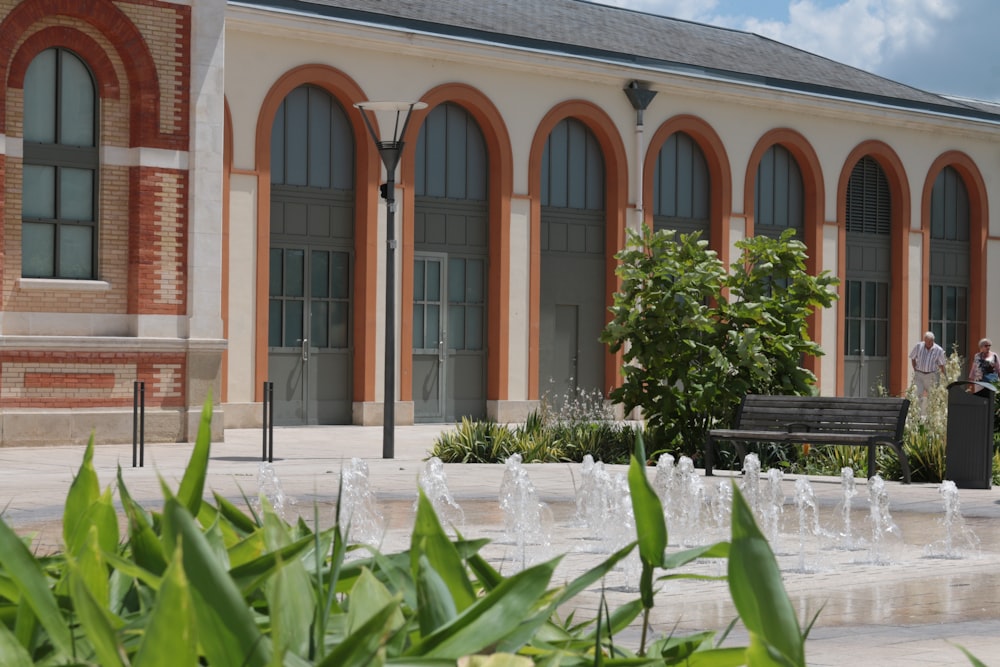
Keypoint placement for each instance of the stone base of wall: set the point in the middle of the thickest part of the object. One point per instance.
(370, 413)
(510, 412)
(244, 415)
(41, 427)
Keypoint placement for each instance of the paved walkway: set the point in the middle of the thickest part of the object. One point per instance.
(912, 611)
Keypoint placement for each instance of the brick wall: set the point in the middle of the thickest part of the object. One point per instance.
(49, 379)
(139, 53)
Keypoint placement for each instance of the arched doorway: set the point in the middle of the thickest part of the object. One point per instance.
(572, 245)
(949, 262)
(868, 280)
(311, 259)
(450, 267)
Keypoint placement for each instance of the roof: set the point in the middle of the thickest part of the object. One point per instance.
(586, 29)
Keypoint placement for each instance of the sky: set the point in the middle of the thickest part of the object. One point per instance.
(949, 47)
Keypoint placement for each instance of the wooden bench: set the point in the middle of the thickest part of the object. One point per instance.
(817, 420)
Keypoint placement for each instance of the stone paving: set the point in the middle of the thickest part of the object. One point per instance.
(910, 609)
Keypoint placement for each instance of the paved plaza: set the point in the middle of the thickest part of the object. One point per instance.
(907, 607)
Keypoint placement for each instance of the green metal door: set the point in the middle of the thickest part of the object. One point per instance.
(309, 358)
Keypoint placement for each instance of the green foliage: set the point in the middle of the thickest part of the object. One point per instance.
(537, 441)
(205, 584)
(697, 337)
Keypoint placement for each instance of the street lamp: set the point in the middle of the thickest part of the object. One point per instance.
(390, 150)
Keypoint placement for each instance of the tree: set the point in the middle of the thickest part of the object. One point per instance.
(697, 338)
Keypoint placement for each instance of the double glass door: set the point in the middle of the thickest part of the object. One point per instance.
(309, 357)
(449, 356)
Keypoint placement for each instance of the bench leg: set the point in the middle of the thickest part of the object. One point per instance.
(872, 465)
(709, 455)
(904, 463)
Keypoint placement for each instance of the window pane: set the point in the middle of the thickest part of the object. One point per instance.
(293, 323)
(433, 284)
(38, 242)
(341, 275)
(40, 98)
(319, 272)
(870, 302)
(39, 192)
(339, 332)
(883, 301)
(294, 270)
(76, 103)
(474, 281)
(274, 323)
(950, 304)
(296, 147)
(456, 280)
(76, 194)
(456, 327)
(319, 323)
(474, 328)
(419, 266)
(278, 146)
(418, 327)
(76, 248)
(432, 326)
(937, 311)
(276, 272)
(319, 138)
(853, 298)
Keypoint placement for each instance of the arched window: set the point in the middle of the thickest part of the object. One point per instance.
(681, 186)
(61, 161)
(451, 156)
(572, 246)
(868, 279)
(949, 261)
(450, 267)
(778, 198)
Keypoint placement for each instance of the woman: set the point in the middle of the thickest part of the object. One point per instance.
(986, 364)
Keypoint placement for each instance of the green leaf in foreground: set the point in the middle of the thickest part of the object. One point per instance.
(759, 594)
(228, 632)
(193, 482)
(170, 637)
(650, 523)
(27, 575)
(491, 618)
(12, 654)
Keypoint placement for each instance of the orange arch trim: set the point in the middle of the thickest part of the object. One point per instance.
(899, 191)
(500, 173)
(367, 164)
(979, 219)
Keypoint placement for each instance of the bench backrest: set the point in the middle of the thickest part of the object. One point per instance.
(883, 416)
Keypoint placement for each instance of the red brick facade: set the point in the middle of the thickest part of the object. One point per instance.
(139, 52)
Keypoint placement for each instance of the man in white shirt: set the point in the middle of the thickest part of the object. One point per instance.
(928, 359)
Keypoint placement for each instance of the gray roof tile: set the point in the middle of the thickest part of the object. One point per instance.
(578, 27)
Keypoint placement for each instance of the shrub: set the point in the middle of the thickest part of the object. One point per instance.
(696, 336)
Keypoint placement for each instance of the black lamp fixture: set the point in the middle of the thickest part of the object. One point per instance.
(640, 95)
(397, 116)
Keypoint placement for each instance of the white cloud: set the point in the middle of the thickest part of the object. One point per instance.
(689, 10)
(862, 33)
(942, 46)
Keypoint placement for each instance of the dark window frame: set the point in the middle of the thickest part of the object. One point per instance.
(60, 156)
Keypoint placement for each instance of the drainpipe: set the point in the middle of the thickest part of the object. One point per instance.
(639, 95)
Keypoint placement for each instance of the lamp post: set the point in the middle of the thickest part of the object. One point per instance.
(390, 151)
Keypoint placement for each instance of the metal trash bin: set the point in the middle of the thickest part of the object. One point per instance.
(969, 450)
